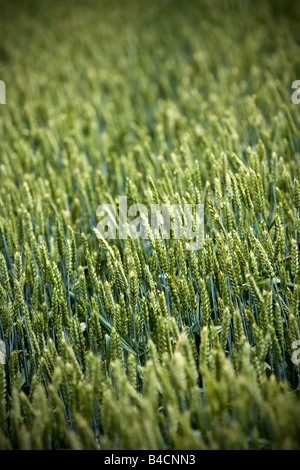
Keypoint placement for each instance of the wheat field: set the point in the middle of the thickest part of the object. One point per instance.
(141, 343)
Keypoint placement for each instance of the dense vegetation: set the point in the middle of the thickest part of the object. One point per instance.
(141, 344)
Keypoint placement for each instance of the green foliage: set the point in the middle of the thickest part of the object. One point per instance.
(140, 344)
